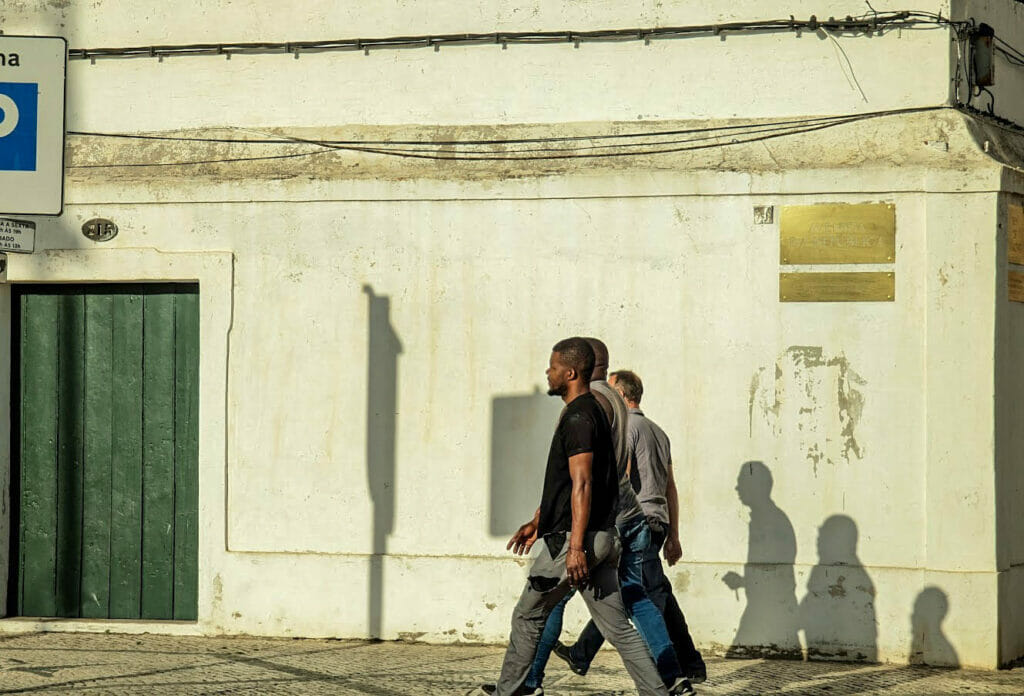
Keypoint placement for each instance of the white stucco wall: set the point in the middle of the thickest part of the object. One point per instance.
(435, 291)
(707, 77)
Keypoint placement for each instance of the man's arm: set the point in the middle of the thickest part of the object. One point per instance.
(673, 550)
(522, 541)
(581, 472)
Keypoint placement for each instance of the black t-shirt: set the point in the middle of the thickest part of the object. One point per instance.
(583, 428)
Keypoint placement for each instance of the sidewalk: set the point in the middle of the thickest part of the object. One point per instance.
(60, 663)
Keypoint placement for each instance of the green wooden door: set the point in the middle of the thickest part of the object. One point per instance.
(105, 450)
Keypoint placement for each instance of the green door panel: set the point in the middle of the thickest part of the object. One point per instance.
(107, 451)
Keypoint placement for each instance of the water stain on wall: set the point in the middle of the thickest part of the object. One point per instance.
(813, 399)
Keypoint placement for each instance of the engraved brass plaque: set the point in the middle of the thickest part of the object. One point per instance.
(1015, 286)
(1015, 235)
(837, 287)
(838, 233)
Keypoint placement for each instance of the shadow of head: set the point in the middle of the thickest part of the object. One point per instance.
(930, 646)
(754, 484)
(930, 609)
(837, 541)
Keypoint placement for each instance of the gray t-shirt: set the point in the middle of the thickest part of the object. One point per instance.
(629, 506)
(648, 447)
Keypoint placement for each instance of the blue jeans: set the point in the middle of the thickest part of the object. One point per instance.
(635, 534)
(659, 589)
(548, 638)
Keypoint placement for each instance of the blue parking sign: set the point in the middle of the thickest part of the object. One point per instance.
(19, 111)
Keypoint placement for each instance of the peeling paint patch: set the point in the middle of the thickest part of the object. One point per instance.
(813, 400)
(763, 652)
(837, 590)
(491, 606)
(411, 636)
(218, 589)
(682, 582)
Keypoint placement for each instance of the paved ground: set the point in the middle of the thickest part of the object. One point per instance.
(59, 663)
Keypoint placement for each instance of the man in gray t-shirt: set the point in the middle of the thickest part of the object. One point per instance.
(650, 457)
(651, 464)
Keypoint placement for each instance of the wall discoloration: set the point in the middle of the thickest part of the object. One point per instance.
(91, 158)
(816, 399)
(681, 581)
(836, 589)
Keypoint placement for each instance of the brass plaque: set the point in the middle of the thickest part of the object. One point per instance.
(837, 287)
(838, 233)
(1015, 235)
(1015, 286)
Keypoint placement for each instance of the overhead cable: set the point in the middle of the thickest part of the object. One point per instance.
(726, 136)
(861, 24)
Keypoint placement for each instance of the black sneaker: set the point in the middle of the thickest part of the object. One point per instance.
(698, 674)
(565, 652)
(492, 688)
(682, 687)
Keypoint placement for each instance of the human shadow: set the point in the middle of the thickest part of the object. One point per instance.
(521, 428)
(929, 645)
(383, 350)
(837, 614)
(768, 627)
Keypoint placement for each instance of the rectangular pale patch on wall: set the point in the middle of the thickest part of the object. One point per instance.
(1015, 286)
(837, 287)
(1015, 235)
(838, 233)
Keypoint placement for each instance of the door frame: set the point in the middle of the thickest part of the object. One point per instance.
(214, 272)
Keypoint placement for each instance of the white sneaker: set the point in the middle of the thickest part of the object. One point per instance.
(682, 687)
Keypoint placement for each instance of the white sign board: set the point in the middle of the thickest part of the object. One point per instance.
(32, 70)
(18, 236)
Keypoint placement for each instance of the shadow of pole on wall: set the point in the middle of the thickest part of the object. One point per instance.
(383, 350)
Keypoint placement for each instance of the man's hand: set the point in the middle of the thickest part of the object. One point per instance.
(522, 541)
(576, 567)
(733, 581)
(673, 551)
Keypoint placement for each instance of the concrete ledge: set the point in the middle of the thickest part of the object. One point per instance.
(170, 628)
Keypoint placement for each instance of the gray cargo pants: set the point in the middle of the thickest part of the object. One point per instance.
(547, 585)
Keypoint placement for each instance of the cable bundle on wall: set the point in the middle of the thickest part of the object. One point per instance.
(861, 24)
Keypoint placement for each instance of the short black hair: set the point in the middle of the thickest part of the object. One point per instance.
(577, 354)
(629, 384)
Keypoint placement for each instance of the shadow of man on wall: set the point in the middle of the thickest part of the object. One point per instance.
(837, 614)
(383, 350)
(768, 627)
(929, 645)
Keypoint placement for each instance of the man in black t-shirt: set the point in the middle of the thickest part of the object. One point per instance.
(576, 520)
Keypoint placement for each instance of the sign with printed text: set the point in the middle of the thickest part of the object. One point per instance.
(837, 233)
(18, 236)
(32, 74)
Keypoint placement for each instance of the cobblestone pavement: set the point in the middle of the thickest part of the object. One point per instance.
(60, 663)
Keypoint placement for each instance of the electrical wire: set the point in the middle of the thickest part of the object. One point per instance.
(754, 133)
(1014, 55)
(867, 23)
(489, 142)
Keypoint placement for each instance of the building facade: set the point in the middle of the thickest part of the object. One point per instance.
(301, 392)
